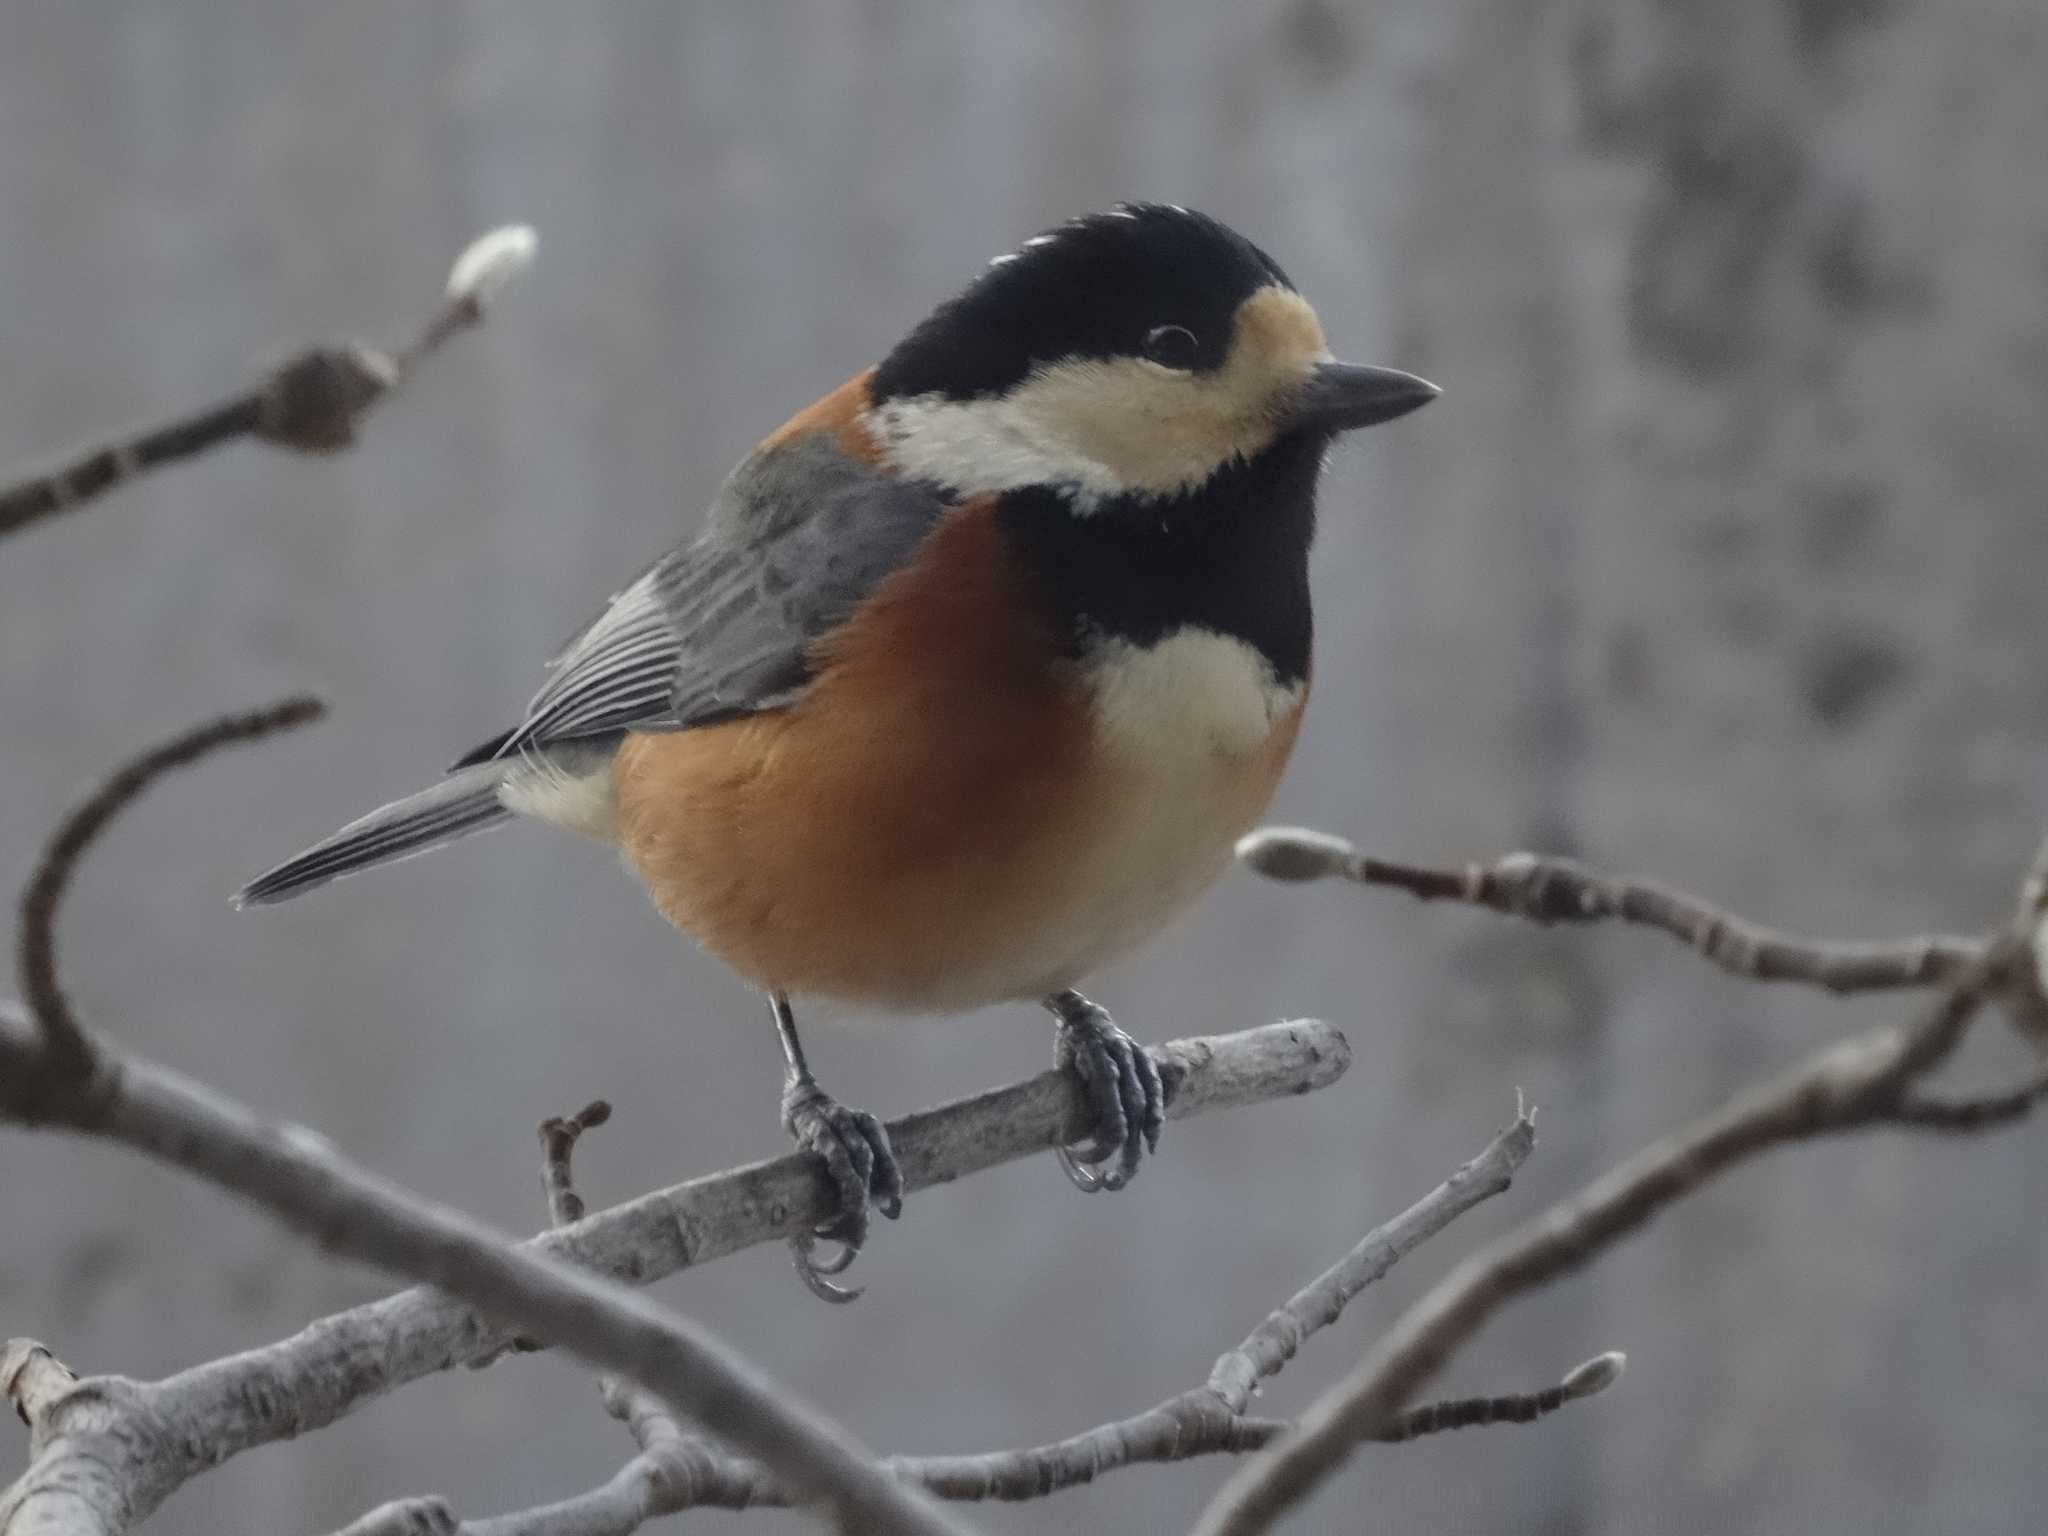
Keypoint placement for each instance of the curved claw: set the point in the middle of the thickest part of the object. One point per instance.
(1083, 1177)
(838, 1264)
(1125, 1090)
(813, 1272)
(858, 1160)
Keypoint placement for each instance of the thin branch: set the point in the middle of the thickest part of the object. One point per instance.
(1266, 1350)
(683, 1473)
(652, 1425)
(1931, 1110)
(676, 1471)
(1862, 1082)
(311, 404)
(68, 1056)
(1556, 890)
(637, 1492)
(558, 1138)
(1582, 1381)
(1208, 1418)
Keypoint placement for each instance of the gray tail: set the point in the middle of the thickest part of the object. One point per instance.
(464, 802)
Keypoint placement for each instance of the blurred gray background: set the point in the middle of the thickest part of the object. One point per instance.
(1720, 560)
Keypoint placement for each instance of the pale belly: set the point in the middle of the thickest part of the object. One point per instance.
(1136, 866)
(927, 858)
(1191, 736)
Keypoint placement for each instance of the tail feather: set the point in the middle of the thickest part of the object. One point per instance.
(464, 802)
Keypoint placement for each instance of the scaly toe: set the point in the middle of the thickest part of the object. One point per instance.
(885, 1176)
(1123, 1087)
(858, 1160)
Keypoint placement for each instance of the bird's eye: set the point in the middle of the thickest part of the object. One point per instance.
(1171, 346)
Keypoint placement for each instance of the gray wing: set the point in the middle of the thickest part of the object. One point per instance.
(797, 540)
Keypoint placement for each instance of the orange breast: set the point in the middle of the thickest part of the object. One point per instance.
(934, 824)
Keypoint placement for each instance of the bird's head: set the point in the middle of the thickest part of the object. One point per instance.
(1125, 356)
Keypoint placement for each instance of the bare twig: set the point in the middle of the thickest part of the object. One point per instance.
(1864, 1081)
(309, 404)
(1587, 1380)
(676, 1471)
(683, 1473)
(652, 1425)
(1268, 1347)
(1208, 1418)
(67, 1052)
(668, 1455)
(558, 1138)
(1936, 1111)
(1555, 890)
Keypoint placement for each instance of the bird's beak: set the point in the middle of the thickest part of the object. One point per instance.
(1339, 397)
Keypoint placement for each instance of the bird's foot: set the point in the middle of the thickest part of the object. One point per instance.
(863, 1170)
(1123, 1086)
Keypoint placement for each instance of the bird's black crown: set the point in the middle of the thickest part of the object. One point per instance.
(1099, 286)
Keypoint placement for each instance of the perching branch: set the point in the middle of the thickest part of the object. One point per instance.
(172, 1429)
(336, 1365)
(312, 403)
(676, 1471)
(1870, 1080)
(1554, 890)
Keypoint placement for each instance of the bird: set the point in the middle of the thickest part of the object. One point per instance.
(974, 674)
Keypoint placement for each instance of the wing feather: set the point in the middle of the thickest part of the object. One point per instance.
(799, 537)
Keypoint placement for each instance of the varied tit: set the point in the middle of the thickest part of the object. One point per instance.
(976, 672)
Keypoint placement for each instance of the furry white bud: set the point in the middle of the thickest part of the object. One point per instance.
(491, 261)
(1596, 1375)
(1295, 853)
